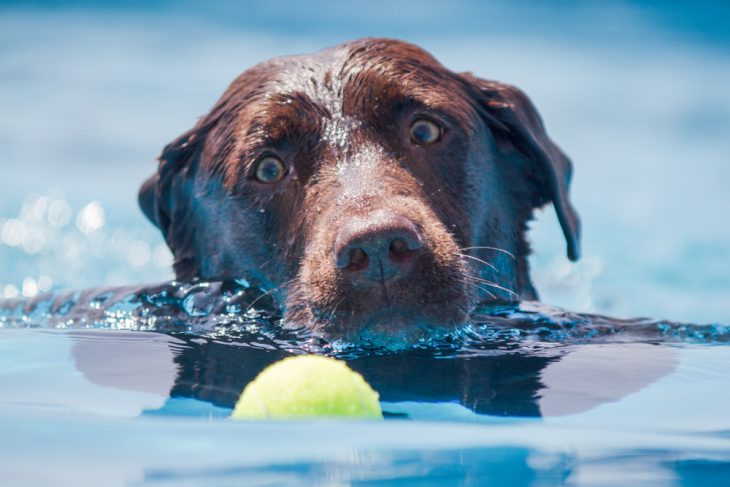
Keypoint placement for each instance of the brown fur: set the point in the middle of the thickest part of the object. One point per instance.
(339, 119)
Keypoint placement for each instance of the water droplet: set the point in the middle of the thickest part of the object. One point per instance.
(198, 304)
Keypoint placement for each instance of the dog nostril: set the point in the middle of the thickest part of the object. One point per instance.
(358, 259)
(377, 247)
(399, 247)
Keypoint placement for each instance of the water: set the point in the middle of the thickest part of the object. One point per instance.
(132, 385)
(515, 406)
(141, 383)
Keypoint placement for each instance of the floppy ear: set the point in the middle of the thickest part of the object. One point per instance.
(512, 116)
(148, 199)
(165, 198)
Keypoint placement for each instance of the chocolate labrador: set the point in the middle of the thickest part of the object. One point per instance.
(368, 188)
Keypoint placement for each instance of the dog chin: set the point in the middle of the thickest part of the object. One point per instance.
(393, 329)
(393, 334)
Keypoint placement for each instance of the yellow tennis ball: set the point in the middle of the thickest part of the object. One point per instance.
(308, 386)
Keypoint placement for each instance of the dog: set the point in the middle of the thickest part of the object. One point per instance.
(373, 192)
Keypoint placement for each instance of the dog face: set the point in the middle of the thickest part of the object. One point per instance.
(374, 192)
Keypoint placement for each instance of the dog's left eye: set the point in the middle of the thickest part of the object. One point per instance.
(270, 169)
(424, 132)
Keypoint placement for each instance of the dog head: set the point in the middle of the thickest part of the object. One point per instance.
(374, 192)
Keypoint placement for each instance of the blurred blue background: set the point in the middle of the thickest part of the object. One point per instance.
(636, 92)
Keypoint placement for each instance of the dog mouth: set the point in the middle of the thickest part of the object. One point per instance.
(395, 327)
(392, 319)
(405, 313)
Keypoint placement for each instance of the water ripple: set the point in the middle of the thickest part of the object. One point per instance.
(222, 310)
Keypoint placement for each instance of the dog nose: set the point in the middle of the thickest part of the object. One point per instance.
(377, 248)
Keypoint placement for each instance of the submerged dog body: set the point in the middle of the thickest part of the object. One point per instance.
(371, 190)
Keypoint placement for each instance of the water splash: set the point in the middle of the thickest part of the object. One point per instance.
(224, 311)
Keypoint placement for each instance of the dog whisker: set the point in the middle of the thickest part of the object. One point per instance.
(496, 249)
(270, 291)
(334, 309)
(267, 262)
(477, 286)
(467, 256)
(493, 284)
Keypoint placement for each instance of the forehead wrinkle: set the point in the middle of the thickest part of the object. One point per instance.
(386, 72)
(313, 75)
(284, 121)
(322, 81)
(372, 90)
(261, 124)
(286, 115)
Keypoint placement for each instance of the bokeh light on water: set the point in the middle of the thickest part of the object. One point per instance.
(50, 242)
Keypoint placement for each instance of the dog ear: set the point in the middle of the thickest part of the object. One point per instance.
(513, 118)
(165, 199)
(147, 199)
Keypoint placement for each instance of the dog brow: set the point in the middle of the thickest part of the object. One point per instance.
(276, 121)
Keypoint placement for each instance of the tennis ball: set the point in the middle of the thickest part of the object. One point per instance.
(308, 386)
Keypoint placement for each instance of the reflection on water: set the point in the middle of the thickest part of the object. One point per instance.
(207, 340)
(392, 453)
(523, 395)
(599, 413)
(537, 415)
(153, 373)
(546, 395)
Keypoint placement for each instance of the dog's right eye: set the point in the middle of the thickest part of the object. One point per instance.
(270, 169)
(425, 132)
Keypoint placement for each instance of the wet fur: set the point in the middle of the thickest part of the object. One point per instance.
(340, 119)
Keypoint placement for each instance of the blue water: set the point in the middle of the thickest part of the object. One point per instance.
(146, 408)
(635, 92)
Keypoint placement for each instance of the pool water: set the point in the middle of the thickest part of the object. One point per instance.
(132, 383)
(522, 395)
(147, 408)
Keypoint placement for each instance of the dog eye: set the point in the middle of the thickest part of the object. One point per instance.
(424, 132)
(270, 169)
